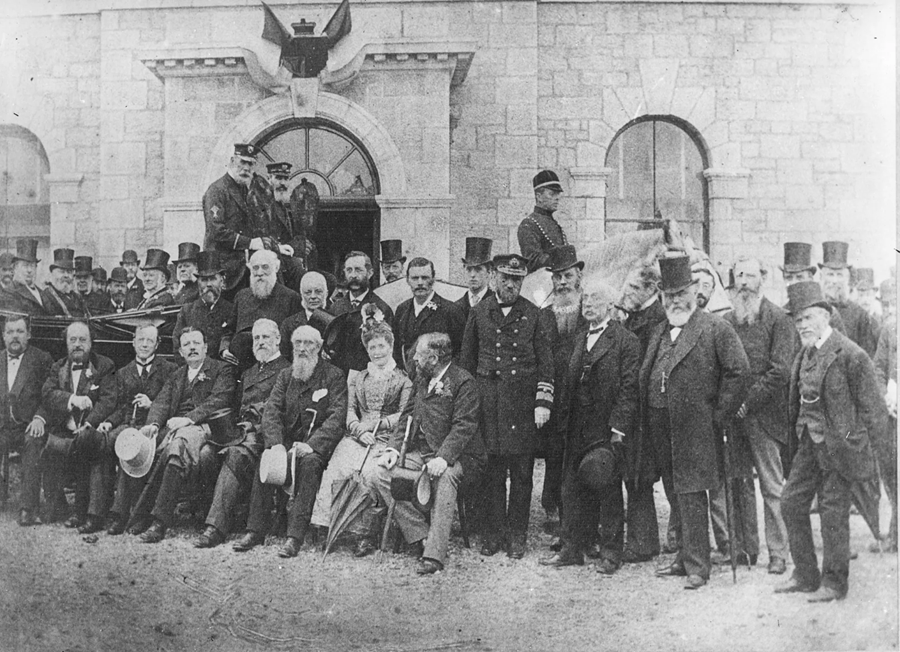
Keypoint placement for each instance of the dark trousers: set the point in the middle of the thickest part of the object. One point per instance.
(551, 494)
(584, 508)
(128, 490)
(234, 484)
(90, 486)
(690, 510)
(642, 526)
(262, 498)
(886, 449)
(171, 482)
(512, 521)
(811, 475)
(30, 465)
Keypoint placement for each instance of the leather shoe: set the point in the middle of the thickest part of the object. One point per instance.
(694, 582)
(73, 521)
(364, 548)
(490, 548)
(607, 566)
(516, 549)
(140, 526)
(290, 548)
(631, 557)
(90, 526)
(672, 570)
(777, 566)
(594, 552)
(794, 585)
(563, 558)
(825, 594)
(210, 538)
(155, 533)
(428, 566)
(116, 528)
(27, 517)
(248, 541)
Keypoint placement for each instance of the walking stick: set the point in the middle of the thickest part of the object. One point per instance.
(145, 493)
(390, 514)
(729, 502)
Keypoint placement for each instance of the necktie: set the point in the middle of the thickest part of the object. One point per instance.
(142, 366)
(262, 366)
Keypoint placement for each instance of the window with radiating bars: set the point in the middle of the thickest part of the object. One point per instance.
(24, 194)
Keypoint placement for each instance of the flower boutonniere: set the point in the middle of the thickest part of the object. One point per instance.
(438, 387)
(431, 305)
(89, 372)
(202, 376)
(371, 314)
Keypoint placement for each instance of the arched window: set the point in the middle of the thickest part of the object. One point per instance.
(657, 168)
(24, 195)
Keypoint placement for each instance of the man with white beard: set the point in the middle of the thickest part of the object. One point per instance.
(307, 414)
(859, 326)
(266, 298)
(836, 409)
(692, 383)
(60, 297)
(767, 334)
(285, 232)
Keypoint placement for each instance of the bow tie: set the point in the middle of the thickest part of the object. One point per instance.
(77, 366)
(12, 357)
(505, 305)
(596, 331)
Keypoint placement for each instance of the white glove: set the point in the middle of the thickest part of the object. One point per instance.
(286, 250)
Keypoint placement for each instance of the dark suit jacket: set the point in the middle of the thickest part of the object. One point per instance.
(286, 420)
(642, 322)
(463, 303)
(56, 303)
(448, 418)
(855, 412)
(129, 384)
(212, 393)
(17, 298)
(601, 390)
(98, 381)
(256, 386)
(278, 306)
(705, 389)
(19, 404)
(860, 326)
(158, 299)
(349, 352)
(98, 303)
(217, 323)
(447, 318)
(135, 291)
(188, 293)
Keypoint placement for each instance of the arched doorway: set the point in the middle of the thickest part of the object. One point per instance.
(24, 194)
(657, 165)
(342, 171)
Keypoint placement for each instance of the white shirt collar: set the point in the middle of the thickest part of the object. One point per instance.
(434, 381)
(821, 341)
(273, 358)
(360, 298)
(475, 298)
(192, 373)
(417, 307)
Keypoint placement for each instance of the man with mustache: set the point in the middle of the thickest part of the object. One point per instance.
(507, 348)
(78, 395)
(284, 232)
(479, 269)
(188, 397)
(96, 300)
(23, 371)
(60, 297)
(859, 326)
(313, 296)
(118, 289)
(539, 232)
(7, 261)
(307, 414)
(692, 381)
(767, 334)
(23, 295)
(209, 313)
(156, 274)
(187, 290)
(837, 411)
(266, 298)
(240, 459)
(392, 260)
(132, 265)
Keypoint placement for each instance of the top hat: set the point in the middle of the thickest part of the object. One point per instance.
(7, 259)
(119, 275)
(26, 249)
(511, 264)
(320, 320)
(392, 251)
(130, 256)
(275, 468)
(862, 278)
(99, 274)
(675, 272)
(281, 170)
(797, 257)
(158, 259)
(805, 294)
(222, 429)
(412, 486)
(63, 259)
(478, 251)
(208, 264)
(546, 179)
(245, 151)
(564, 257)
(834, 254)
(597, 469)
(84, 265)
(187, 253)
(135, 452)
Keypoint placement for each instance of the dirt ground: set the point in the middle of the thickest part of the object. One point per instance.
(61, 593)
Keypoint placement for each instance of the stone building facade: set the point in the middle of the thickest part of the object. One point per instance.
(455, 105)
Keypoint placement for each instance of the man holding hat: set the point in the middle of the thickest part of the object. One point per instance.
(7, 260)
(186, 290)
(858, 324)
(691, 382)
(209, 312)
(156, 274)
(118, 290)
(539, 232)
(837, 410)
(392, 260)
(479, 267)
(60, 297)
(23, 295)
(132, 264)
(507, 348)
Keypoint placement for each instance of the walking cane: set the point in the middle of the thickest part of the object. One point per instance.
(157, 466)
(729, 502)
(390, 514)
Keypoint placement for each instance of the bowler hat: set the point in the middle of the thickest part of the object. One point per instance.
(282, 170)
(797, 257)
(157, 259)
(862, 278)
(130, 256)
(208, 264)
(563, 258)
(276, 469)
(119, 275)
(392, 251)
(412, 486)
(63, 259)
(187, 252)
(84, 265)
(597, 469)
(511, 264)
(805, 295)
(89, 442)
(135, 452)
(675, 272)
(26, 249)
(478, 251)
(546, 179)
(7, 259)
(245, 151)
(223, 431)
(834, 254)
(99, 274)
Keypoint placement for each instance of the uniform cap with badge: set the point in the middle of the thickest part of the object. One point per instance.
(511, 265)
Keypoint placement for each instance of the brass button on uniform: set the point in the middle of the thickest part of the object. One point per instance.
(513, 372)
(498, 358)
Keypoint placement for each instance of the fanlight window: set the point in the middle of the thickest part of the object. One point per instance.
(24, 195)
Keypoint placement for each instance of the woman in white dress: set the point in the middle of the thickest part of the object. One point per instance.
(377, 396)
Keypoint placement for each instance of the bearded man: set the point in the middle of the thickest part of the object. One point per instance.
(859, 326)
(7, 261)
(95, 298)
(284, 231)
(767, 334)
(692, 383)
(209, 312)
(23, 295)
(837, 411)
(307, 414)
(392, 260)
(60, 297)
(118, 289)
(132, 265)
